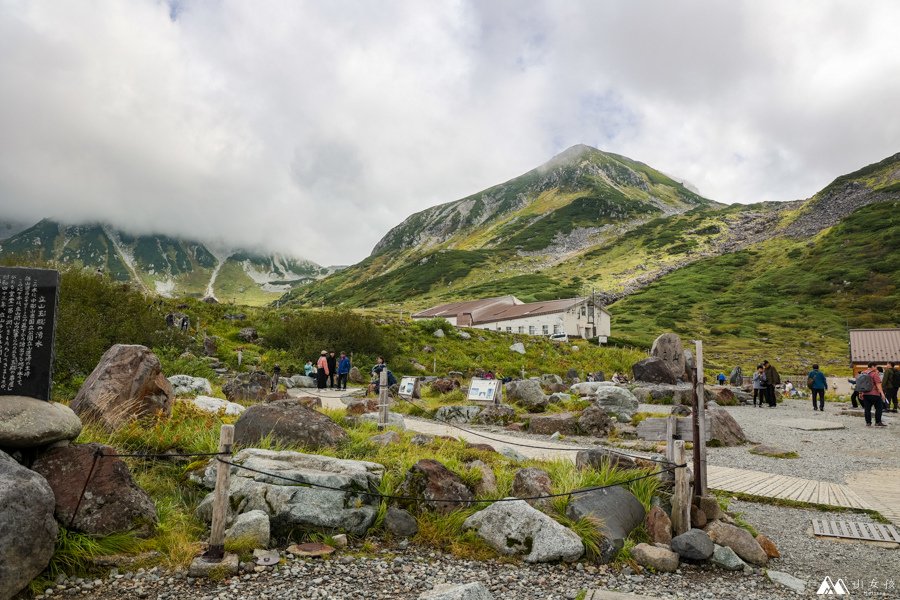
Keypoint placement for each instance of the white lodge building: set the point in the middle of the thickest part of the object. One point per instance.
(576, 317)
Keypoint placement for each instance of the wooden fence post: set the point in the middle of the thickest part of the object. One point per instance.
(216, 549)
(700, 429)
(681, 496)
(671, 428)
(383, 399)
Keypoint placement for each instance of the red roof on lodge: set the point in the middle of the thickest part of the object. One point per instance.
(874, 345)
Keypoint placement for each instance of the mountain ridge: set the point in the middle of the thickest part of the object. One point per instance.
(162, 264)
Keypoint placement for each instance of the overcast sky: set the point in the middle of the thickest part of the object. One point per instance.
(314, 127)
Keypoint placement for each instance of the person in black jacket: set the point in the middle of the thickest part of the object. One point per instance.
(332, 368)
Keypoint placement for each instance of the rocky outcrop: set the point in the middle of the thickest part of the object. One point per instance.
(31, 423)
(27, 528)
(442, 489)
(288, 505)
(287, 423)
(112, 501)
(127, 383)
(514, 527)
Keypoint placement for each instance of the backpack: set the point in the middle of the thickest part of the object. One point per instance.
(864, 383)
(391, 379)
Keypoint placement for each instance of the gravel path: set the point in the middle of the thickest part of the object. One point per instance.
(406, 573)
(829, 455)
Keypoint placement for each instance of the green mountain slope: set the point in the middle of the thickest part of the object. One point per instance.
(162, 264)
(499, 239)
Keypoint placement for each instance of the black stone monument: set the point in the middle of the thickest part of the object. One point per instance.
(28, 299)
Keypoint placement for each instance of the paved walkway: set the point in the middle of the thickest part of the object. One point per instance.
(767, 485)
(872, 490)
(549, 449)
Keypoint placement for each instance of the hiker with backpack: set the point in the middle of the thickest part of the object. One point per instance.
(376, 376)
(817, 384)
(868, 384)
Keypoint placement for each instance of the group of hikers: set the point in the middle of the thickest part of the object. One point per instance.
(330, 371)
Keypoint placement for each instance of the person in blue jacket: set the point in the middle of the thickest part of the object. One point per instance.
(816, 382)
(343, 370)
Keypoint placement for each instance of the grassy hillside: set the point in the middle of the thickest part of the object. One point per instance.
(788, 301)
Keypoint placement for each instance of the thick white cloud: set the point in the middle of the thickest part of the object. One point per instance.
(314, 127)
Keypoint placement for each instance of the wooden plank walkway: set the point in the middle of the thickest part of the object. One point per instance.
(880, 488)
(769, 485)
(870, 532)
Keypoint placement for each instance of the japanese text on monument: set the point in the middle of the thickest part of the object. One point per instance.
(27, 320)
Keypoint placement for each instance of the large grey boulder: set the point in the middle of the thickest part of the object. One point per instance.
(441, 489)
(726, 558)
(616, 510)
(112, 502)
(532, 482)
(723, 429)
(660, 559)
(595, 421)
(27, 528)
(550, 379)
(617, 401)
(457, 413)
(254, 386)
(787, 580)
(393, 419)
(527, 393)
(127, 383)
(252, 526)
(693, 544)
(288, 423)
(518, 347)
(355, 376)
(565, 423)
(216, 405)
(496, 414)
(185, 385)
(739, 540)
(589, 388)
(653, 370)
(657, 393)
(514, 527)
(31, 423)
(457, 591)
(400, 523)
(288, 505)
(668, 348)
(600, 458)
(302, 381)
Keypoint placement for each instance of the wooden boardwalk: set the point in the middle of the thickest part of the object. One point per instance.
(879, 488)
(768, 485)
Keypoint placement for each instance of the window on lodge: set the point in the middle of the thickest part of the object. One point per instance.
(545, 329)
(531, 330)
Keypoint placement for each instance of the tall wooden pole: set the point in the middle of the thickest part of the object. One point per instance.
(216, 549)
(383, 399)
(681, 495)
(699, 425)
